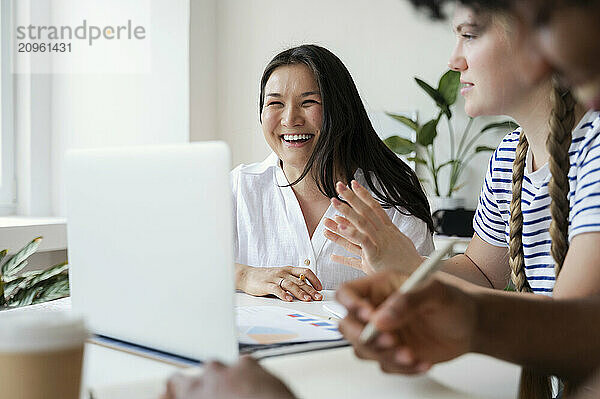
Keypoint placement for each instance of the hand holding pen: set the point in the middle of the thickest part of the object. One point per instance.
(432, 322)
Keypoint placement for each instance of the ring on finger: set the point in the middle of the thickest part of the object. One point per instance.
(280, 283)
(302, 278)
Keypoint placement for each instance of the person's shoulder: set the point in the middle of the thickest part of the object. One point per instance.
(587, 129)
(590, 121)
(508, 145)
(585, 139)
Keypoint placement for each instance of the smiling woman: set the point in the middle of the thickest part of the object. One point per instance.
(314, 121)
(292, 130)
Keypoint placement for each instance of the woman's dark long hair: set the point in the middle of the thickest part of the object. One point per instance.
(347, 139)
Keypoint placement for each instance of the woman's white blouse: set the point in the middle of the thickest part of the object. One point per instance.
(270, 230)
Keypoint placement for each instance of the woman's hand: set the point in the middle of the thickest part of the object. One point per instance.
(433, 323)
(279, 281)
(245, 379)
(367, 231)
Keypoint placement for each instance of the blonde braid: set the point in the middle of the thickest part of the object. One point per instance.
(536, 385)
(533, 385)
(517, 259)
(562, 120)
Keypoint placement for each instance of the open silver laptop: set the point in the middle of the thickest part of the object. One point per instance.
(150, 246)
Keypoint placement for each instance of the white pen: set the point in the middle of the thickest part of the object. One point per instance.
(429, 266)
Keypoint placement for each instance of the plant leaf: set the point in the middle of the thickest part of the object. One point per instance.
(50, 283)
(400, 145)
(31, 281)
(28, 283)
(482, 148)
(17, 269)
(446, 164)
(417, 160)
(427, 133)
(25, 297)
(404, 119)
(500, 125)
(433, 93)
(11, 279)
(59, 288)
(52, 288)
(14, 262)
(10, 287)
(448, 86)
(3, 254)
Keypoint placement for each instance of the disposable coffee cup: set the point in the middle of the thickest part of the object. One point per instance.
(41, 354)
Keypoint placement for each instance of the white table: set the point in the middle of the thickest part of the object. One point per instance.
(335, 373)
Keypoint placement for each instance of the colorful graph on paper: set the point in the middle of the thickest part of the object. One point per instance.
(268, 325)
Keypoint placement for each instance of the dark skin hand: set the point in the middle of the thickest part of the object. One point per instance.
(244, 380)
(431, 324)
(446, 317)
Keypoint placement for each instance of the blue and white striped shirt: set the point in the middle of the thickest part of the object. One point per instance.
(492, 216)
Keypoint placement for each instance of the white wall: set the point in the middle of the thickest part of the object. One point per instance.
(90, 110)
(383, 44)
(211, 91)
(203, 70)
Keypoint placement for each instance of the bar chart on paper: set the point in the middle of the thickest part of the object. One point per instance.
(267, 325)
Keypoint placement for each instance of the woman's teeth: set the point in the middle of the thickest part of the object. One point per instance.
(294, 137)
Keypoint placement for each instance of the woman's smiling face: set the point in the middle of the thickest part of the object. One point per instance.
(498, 74)
(292, 114)
(484, 56)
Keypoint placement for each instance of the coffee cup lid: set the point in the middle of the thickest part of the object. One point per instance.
(34, 331)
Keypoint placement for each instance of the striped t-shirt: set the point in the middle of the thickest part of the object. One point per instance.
(492, 216)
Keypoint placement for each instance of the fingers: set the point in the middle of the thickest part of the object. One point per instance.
(355, 202)
(364, 195)
(214, 367)
(351, 328)
(396, 311)
(281, 293)
(312, 293)
(351, 213)
(359, 230)
(354, 296)
(401, 361)
(170, 391)
(339, 240)
(310, 276)
(355, 236)
(296, 290)
(393, 313)
(248, 361)
(356, 263)
(392, 356)
(347, 230)
(179, 386)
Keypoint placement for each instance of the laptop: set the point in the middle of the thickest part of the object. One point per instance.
(150, 246)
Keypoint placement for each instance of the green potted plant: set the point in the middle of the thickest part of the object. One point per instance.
(423, 147)
(30, 287)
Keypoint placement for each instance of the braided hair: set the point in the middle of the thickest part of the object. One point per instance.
(562, 121)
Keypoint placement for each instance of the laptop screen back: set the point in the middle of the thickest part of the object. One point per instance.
(150, 246)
